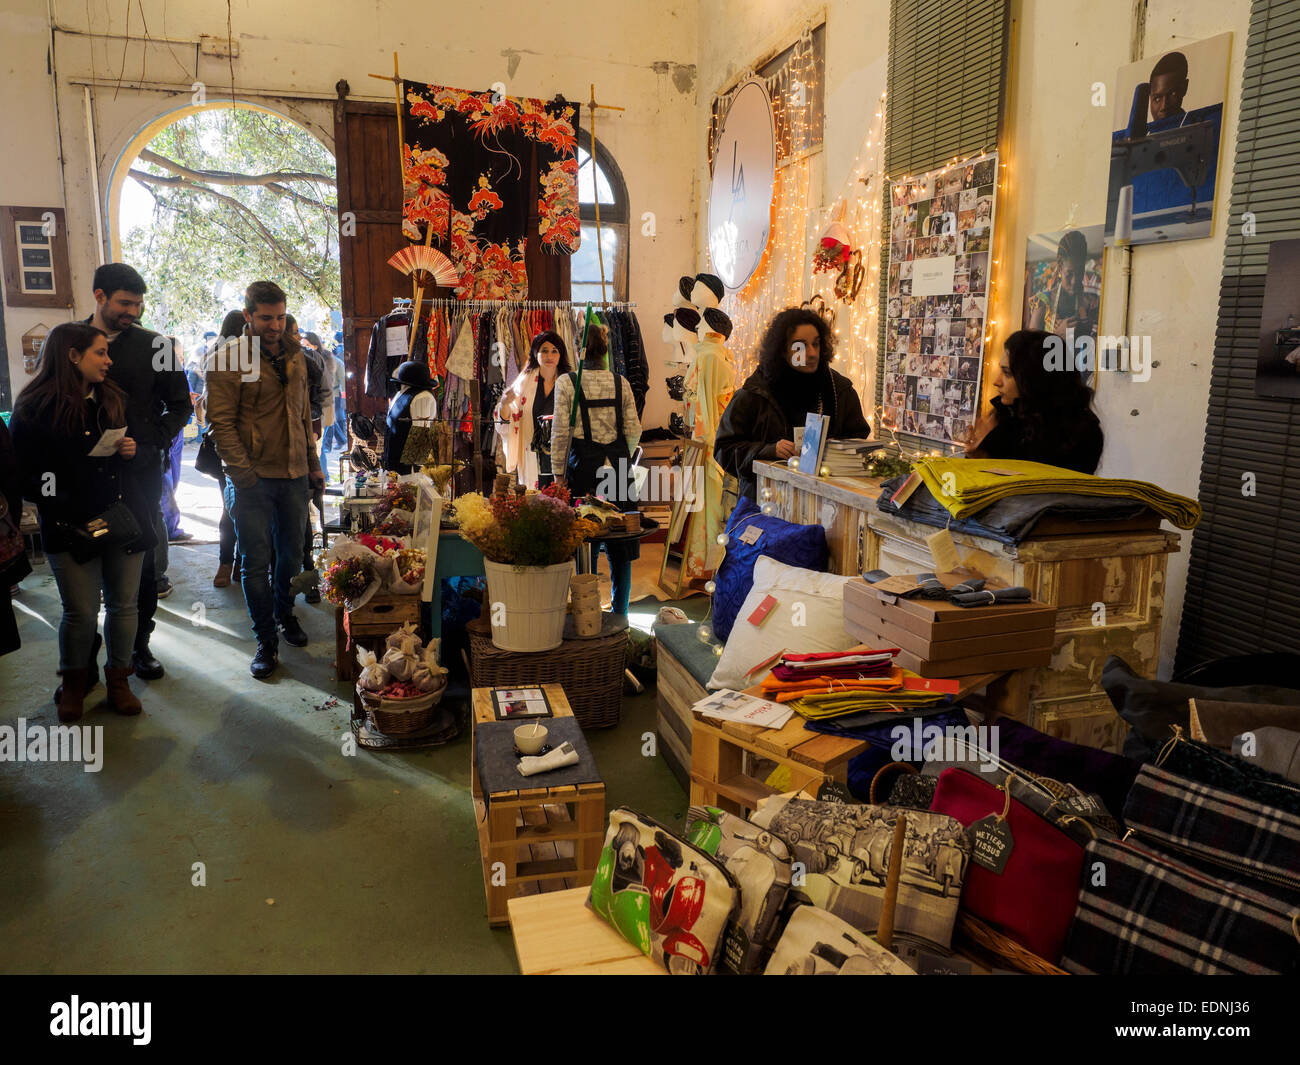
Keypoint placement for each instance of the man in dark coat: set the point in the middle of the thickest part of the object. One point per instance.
(793, 380)
(147, 367)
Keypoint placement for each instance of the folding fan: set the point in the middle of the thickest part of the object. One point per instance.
(427, 265)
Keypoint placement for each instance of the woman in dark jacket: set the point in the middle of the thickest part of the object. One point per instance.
(11, 516)
(793, 379)
(1039, 414)
(57, 421)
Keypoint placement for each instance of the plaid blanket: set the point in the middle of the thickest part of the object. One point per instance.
(1246, 837)
(1228, 773)
(1154, 916)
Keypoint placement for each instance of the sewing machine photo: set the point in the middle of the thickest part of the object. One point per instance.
(1162, 179)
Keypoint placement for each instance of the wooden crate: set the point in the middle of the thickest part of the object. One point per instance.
(678, 691)
(1071, 567)
(370, 628)
(534, 840)
(556, 935)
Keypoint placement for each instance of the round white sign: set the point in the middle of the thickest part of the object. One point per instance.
(740, 198)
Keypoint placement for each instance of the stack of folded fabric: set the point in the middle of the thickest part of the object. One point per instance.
(967, 486)
(861, 679)
(911, 692)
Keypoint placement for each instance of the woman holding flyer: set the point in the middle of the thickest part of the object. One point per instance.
(69, 433)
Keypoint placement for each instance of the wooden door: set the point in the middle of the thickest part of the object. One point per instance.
(370, 229)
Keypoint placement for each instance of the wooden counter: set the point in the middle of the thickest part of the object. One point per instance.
(1107, 585)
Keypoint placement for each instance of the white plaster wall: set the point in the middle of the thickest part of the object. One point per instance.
(642, 59)
(1059, 165)
(1154, 430)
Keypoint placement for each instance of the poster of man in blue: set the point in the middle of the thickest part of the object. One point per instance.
(1164, 160)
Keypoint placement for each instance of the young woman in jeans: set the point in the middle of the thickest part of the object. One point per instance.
(57, 421)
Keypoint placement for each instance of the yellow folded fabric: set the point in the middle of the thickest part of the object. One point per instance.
(836, 705)
(966, 486)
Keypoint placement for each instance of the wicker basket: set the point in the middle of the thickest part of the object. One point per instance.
(589, 670)
(1005, 950)
(402, 717)
(883, 781)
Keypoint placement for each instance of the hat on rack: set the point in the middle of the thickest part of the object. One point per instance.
(415, 374)
(685, 321)
(707, 291)
(683, 295)
(714, 321)
(668, 328)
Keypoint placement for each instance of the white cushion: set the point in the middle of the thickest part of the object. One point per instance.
(808, 616)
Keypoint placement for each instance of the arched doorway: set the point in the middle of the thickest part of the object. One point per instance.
(202, 201)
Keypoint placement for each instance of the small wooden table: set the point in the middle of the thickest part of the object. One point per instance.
(538, 839)
(718, 751)
(556, 935)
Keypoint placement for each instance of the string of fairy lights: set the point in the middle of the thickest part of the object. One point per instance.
(858, 208)
(780, 278)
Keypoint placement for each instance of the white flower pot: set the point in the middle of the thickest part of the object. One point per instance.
(526, 605)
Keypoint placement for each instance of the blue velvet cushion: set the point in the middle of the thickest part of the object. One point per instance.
(795, 545)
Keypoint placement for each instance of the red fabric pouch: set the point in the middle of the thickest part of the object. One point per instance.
(1034, 898)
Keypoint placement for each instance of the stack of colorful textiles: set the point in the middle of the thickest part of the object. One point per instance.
(831, 683)
(966, 486)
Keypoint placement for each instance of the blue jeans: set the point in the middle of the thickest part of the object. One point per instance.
(334, 438)
(171, 477)
(269, 519)
(117, 574)
(620, 572)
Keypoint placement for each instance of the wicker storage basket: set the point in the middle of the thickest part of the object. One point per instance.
(1005, 950)
(589, 670)
(402, 717)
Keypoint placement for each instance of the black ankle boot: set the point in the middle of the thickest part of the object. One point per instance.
(146, 667)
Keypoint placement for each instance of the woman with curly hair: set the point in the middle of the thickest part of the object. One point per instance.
(793, 379)
(1039, 414)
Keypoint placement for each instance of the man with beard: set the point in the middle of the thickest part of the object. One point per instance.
(261, 421)
(146, 367)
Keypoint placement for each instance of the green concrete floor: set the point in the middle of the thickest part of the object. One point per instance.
(315, 862)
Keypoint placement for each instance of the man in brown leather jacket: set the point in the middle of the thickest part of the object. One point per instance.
(261, 421)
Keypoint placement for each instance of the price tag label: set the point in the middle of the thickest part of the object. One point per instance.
(991, 842)
(750, 535)
(944, 551)
(1083, 805)
(834, 791)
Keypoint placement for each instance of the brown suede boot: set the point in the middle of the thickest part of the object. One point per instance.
(72, 694)
(121, 699)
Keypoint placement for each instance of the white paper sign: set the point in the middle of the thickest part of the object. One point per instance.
(395, 341)
(933, 277)
(107, 443)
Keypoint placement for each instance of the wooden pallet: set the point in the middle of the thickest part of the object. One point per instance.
(720, 751)
(534, 840)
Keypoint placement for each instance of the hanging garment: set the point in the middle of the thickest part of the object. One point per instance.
(389, 350)
(638, 369)
(709, 382)
(466, 159)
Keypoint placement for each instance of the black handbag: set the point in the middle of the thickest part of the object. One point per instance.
(114, 527)
(207, 461)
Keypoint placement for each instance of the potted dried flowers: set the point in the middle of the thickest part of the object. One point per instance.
(528, 543)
